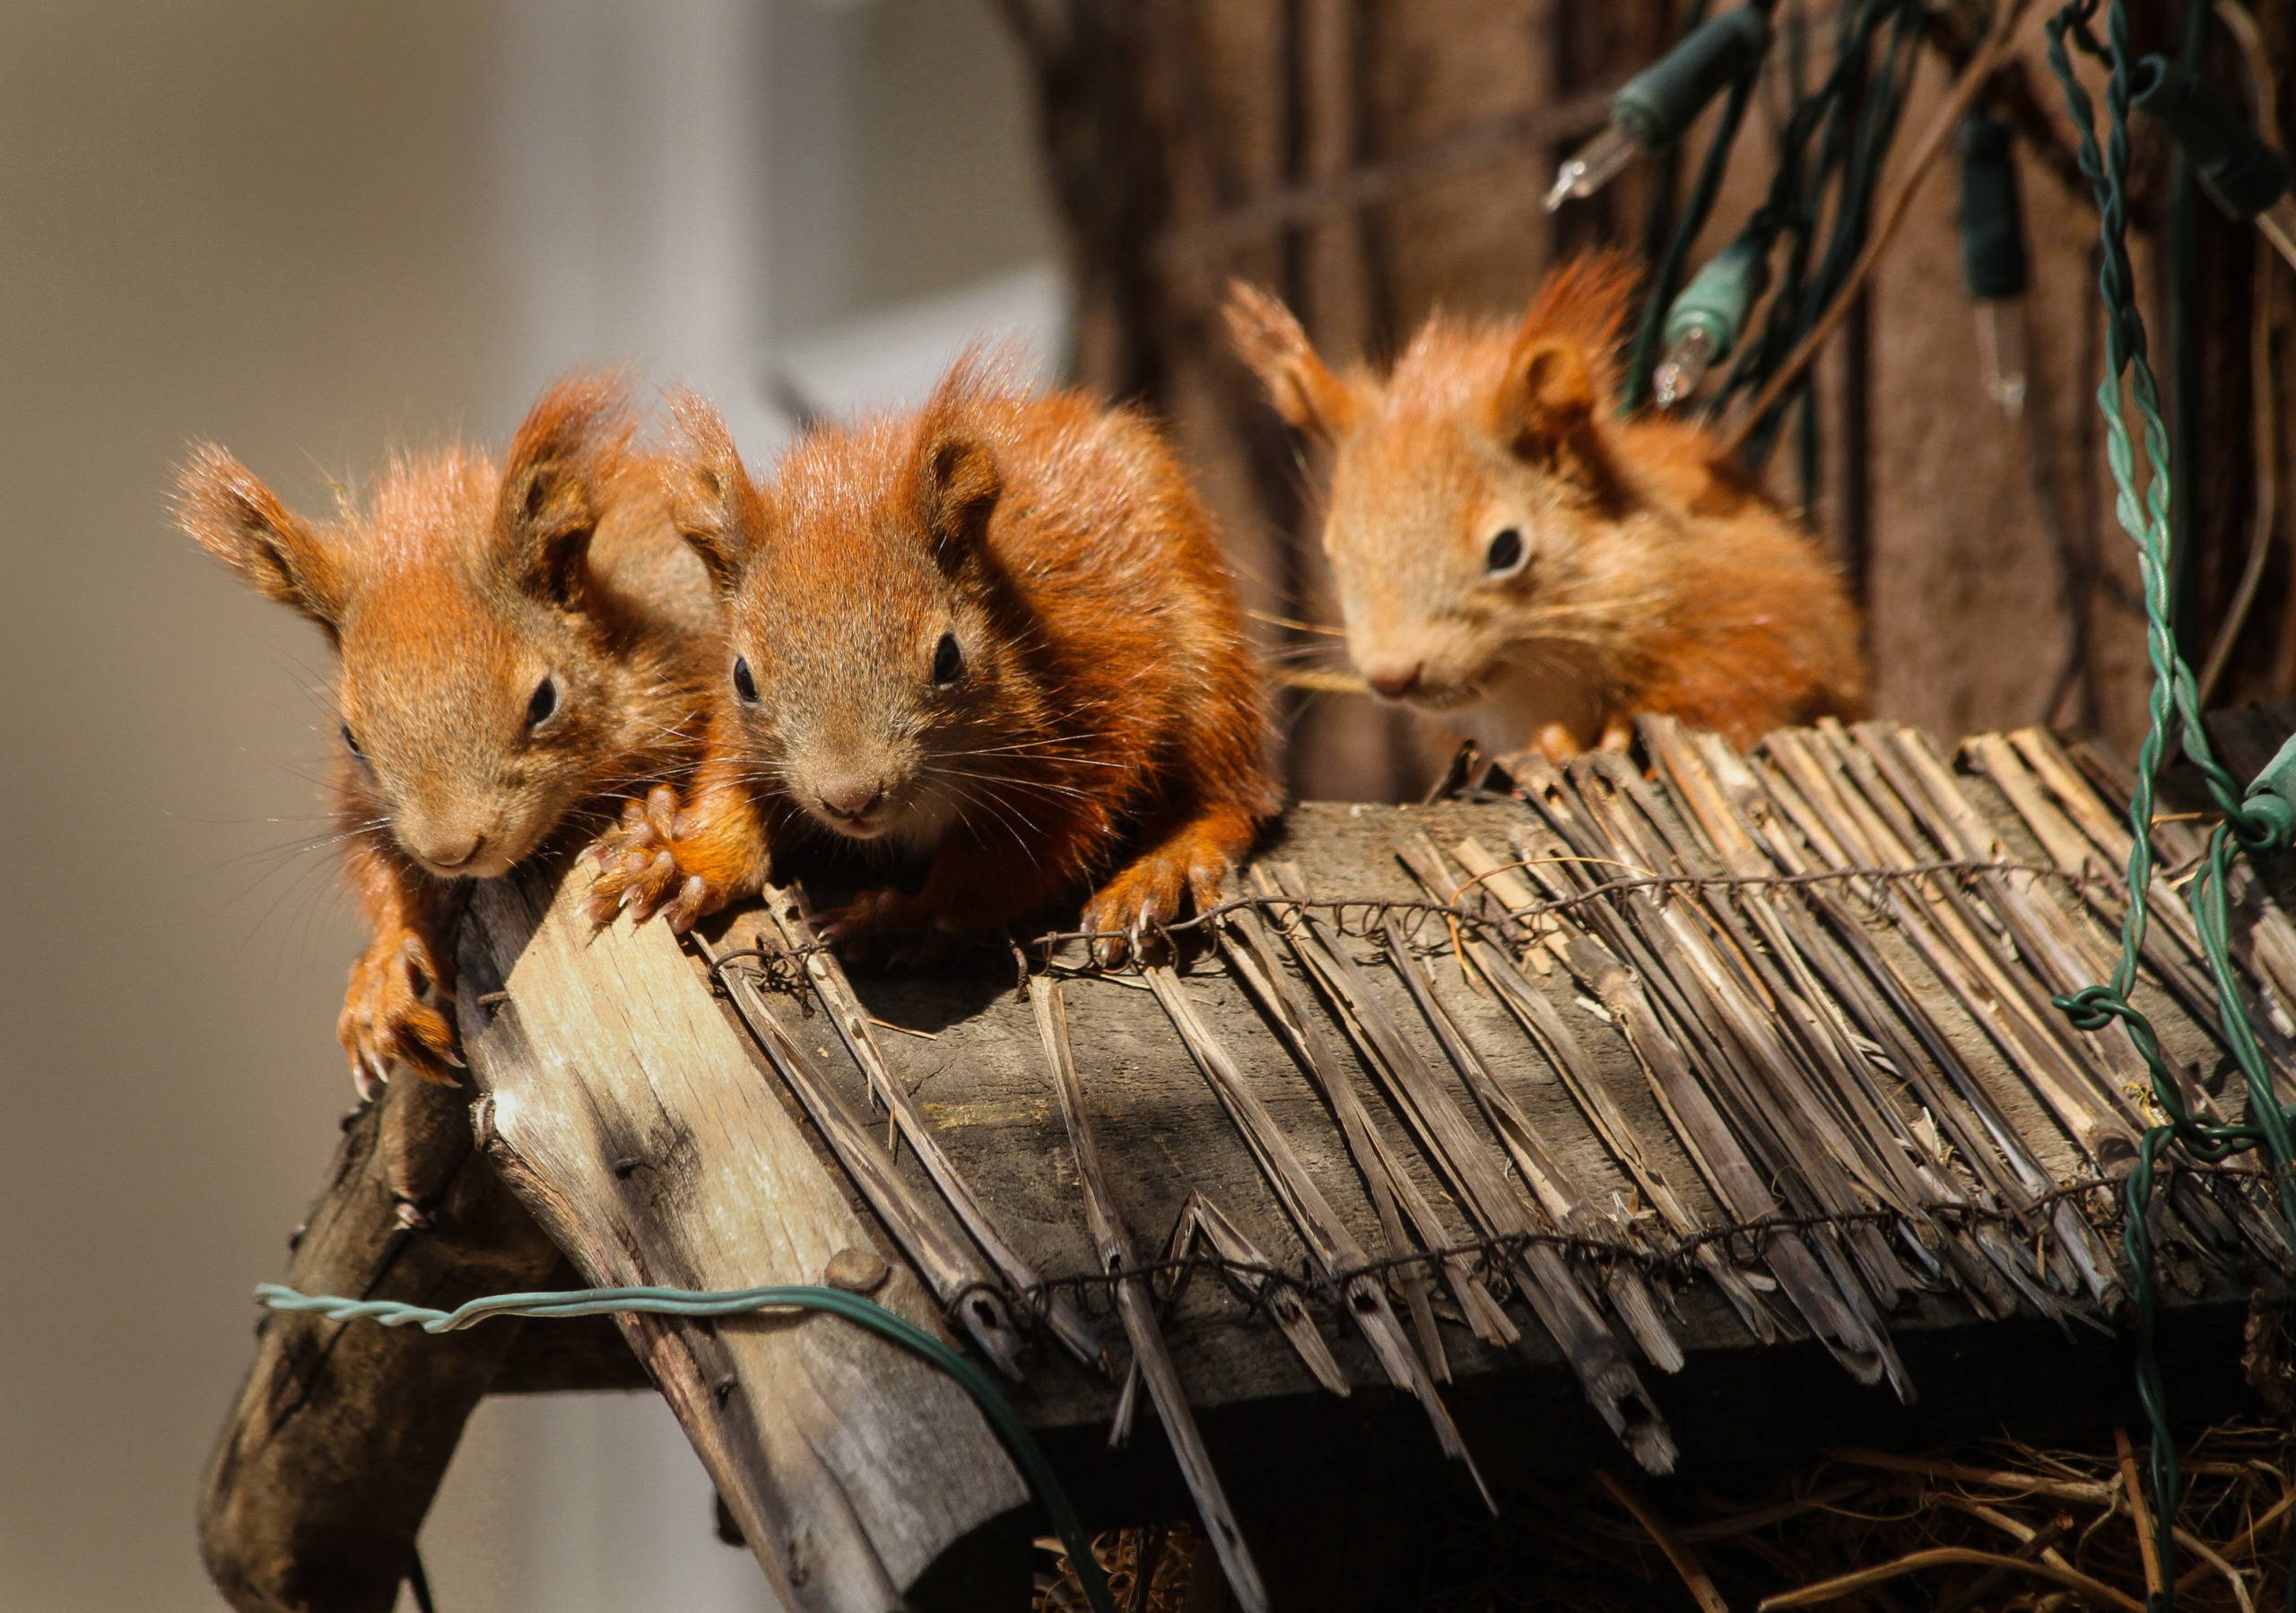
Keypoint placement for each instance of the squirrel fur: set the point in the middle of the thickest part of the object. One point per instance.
(996, 633)
(1501, 541)
(514, 645)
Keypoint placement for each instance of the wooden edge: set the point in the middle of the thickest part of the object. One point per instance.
(342, 1432)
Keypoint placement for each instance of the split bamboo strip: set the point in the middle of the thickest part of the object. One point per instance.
(1552, 1036)
(1112, 1245)
(1552, 1187)
(1337, 1256)
(1201, 1221)
(1752, 1164)
(792, 914)
(959, 1281)
(1484, 1317)
(1247, 952)
(1553, 1295)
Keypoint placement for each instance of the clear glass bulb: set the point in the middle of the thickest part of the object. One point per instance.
(1593, 166)
(2001, 349)
(1684, 365)
(2278, 223)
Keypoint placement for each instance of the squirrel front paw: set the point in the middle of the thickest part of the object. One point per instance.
(639, 867)
(1127, 911)
(385, 1014)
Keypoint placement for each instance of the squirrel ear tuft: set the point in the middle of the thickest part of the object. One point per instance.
(235, 518)
(562, 465)
(1303, 389)
(1544, 410)
(957, 489)
(715, 506)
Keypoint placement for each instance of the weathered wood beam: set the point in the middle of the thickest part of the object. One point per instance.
(343, 1431)
(622, 1109)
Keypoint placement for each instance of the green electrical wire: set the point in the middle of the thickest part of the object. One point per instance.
(687, 1302)
(2251, 824)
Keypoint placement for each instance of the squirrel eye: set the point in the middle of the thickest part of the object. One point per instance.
(1506, 554)
(948, 660)
(544, 704)
(744, 684)
(350, 743)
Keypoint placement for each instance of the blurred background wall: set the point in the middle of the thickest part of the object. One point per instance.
(312, 232)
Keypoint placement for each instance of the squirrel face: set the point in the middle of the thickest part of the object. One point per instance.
(1479, 526)
(873, 667)
(478, 679)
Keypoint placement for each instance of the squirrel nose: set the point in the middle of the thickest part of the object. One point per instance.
(1394, 679)
(453, 852)
(851, 797)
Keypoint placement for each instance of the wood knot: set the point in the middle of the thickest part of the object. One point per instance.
(857, 1270)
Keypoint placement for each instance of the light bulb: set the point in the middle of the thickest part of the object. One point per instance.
(2001, 349)
(1687, 360)
(1593, 166)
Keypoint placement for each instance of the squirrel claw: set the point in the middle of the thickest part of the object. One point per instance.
(682, 910)
(1135, 905)
(387, 1016)
(638, 868)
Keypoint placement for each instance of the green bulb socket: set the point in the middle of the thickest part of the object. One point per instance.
(1665, 98)
(1720, 296)
(1992, 231)
(2272, 796)
(2234, 164)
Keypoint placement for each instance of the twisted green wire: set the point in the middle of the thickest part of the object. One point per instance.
(2174, 717)
(734, 1302)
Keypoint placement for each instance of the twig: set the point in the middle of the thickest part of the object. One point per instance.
(2239, 1543)
(1685, 1560)
(2155, 1581)
(1942, 1557)
(2036, 1544)
(2056, 1489)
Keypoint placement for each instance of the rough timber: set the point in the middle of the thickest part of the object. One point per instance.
(1662, 1034)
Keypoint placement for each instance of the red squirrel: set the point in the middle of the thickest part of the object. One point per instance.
(997, 633)
(513, 645)
(1501, 540)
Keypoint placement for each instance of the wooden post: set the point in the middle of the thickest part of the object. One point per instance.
(622, 1109)
(343, 1431)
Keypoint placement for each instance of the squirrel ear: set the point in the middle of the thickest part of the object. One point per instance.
(235, 518)
(1544, 411)
(715, 506)
(957, 488)
(1304, 391)
(568, 453)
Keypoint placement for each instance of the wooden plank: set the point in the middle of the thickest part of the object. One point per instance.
(1604, 1062)
(624, 1111)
